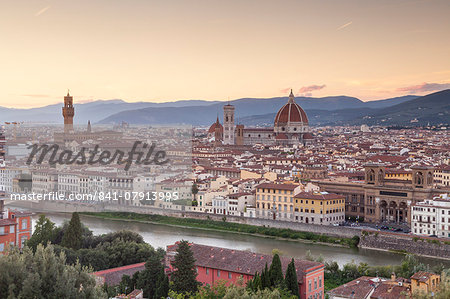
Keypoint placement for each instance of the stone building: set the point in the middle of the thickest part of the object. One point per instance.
(290, 127)
(377, 199)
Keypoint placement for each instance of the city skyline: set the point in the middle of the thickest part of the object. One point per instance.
(160, 51)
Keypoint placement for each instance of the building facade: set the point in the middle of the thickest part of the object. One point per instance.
(319, 208)
(431, 217)
(15, 228)
(291, 126)
(215, 264)
(377, 199)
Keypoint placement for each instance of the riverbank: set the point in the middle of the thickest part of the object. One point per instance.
(223, 225)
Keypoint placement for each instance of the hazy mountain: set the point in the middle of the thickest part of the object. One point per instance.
(433, 108)
(93, 111)
(389, 102)
(249, 111)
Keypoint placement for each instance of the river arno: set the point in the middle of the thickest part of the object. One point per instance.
(162, 235)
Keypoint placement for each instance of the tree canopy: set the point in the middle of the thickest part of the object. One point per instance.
(44, 274)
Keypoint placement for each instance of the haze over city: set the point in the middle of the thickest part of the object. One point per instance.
(218, 50)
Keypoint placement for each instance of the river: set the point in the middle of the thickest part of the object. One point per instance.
(159, 235)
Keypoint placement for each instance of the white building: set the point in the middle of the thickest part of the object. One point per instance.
(7, 174)
(431, 217)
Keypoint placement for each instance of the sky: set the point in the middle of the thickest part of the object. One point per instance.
(166, 50)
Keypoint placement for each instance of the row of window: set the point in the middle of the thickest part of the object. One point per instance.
(274, 191)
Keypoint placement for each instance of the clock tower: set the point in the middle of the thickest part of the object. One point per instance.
(68, 112)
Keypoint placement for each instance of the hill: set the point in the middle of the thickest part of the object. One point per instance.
(433, 108)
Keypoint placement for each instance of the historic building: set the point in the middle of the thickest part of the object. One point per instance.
(68, 112)
(228, 124)
(377, 199)
(431, 217)
(70, 135)
(215, 264)
(290, 127)
(15, 228)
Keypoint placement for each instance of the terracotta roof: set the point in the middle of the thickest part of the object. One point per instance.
(290, 112)
(277, 186)
(4, 222)
(113, 276)
(388, 290)
(318, 196)
(422, 276)
(358, 288)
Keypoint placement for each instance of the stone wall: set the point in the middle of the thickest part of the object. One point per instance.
(432, 247)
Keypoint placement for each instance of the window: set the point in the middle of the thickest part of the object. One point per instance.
(218, 273)
(2, 230)
(11, 229)
(309, 286)
(229, 275)
(2, 247)
(207, 271)
(24, 223)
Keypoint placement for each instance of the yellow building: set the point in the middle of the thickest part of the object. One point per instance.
(276, 200)
(425, 282)
(319, 208)
(398, 174)
(442, 175)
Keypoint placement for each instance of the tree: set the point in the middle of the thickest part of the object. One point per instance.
(291, 279)
(184, 275)
(45, 231)
(194, 190)
(162, 289)
(265, 278)
(276, 272)
(73, 235)
(148, 278)
(44, 274)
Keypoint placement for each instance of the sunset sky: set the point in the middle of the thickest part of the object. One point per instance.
(143, 50)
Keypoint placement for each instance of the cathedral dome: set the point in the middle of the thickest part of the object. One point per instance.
(212, 129)
(290, 113)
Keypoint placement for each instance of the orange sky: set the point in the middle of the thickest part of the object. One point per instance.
(143, 50)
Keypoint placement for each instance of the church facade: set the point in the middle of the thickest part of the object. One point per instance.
(290, 127)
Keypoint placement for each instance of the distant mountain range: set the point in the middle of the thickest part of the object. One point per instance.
(338, 110)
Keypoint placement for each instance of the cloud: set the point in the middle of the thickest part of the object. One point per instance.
(424, 87)
(285, 90)
(306, 89)
(345, 25)
(37, 14)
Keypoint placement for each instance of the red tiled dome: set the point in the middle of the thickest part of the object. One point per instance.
(212, 129)
(291, 112)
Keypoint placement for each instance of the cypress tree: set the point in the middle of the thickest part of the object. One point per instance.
(163, 286)
(73, 236)
(276, 273)
(265, 278)
(147, 279)
(291, 279)
(184, 275)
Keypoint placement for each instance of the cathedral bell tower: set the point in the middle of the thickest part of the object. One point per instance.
(228, 124)
(68, 112)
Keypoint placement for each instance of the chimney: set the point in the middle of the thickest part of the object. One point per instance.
(393, 277)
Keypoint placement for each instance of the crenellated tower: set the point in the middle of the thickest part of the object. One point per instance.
(68, 112)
